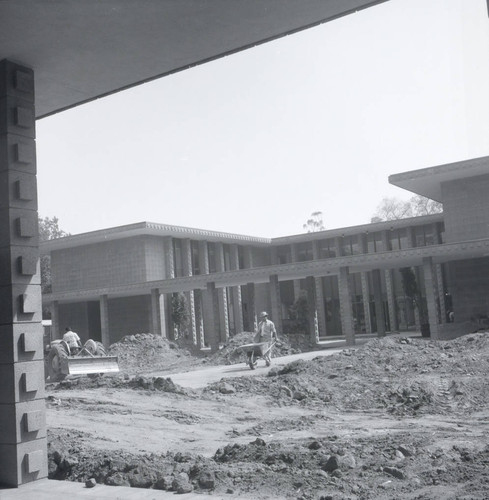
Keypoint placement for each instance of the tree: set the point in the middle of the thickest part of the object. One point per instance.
(48, 230)
(314, 223)
(393, 208)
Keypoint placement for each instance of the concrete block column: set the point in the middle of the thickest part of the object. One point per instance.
(211, 315)
(55, 331)
(236, 292)
(203, 257)
(296, 283)
(391, 301)
(158, 313)
(313, 310)
(104, 320)
(319, 296)
(252, 314)
(441, 293)
(430, 288)
(248, 257)
(188, 271)
(23, 448)
(379, 302)
(199, 319)
(276, 311)
(366, 302)
(347, 324)
(222, 296)
(169, 258)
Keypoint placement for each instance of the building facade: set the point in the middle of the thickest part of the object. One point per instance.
(119, 281)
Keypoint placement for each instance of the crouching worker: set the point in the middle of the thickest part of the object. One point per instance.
(266, 333)
(72, 339)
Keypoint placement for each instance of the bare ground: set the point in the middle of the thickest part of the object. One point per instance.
(398, 418)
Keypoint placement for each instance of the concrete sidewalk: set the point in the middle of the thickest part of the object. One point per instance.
(47, 489)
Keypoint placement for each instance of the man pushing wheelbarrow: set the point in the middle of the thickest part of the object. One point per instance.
(264, 340)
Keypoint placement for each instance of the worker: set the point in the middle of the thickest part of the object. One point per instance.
(72, 339)
(266, 333)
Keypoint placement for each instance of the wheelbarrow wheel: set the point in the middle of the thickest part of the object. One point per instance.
(251, 360)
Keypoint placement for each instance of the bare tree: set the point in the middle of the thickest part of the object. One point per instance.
(394, 208)
(314, 223)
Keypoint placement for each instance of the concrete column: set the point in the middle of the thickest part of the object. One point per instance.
(55, 331)
(169, 257)
(211, 315)
(236, 292)
(158, 316)
(274, 255)
(275, 302)
(319, 296)
(337, 245)
(347, 324)
(430, 288)
(188, 271)
(296, 283)
(203, 257)
(222, 296)
(379, 303)
(252, 315)
(441, 293)
(248, 257)
(104, 320)
(391, 301)
(23, 448)
(313, 310)
(320, 307)
(366, 302)
(199, 319)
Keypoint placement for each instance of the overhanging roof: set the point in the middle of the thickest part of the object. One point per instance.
(82, 50)
(427, 181)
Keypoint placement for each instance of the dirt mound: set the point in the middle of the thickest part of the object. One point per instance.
(402, 376)
(145, 352)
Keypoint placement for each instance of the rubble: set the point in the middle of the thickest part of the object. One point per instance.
(331, 443)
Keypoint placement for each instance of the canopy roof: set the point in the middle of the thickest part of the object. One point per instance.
(427, 181)
(82, 50)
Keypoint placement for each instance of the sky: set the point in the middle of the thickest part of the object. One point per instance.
(255, 142)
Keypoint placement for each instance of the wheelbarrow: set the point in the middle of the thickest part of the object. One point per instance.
(255, 351)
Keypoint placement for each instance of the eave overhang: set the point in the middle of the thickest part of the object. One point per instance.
(428, 181)
(83, 50)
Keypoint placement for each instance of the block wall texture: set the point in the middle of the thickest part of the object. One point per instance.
(154, 249)
(74, 315)
(128, 316)
(466, 208)
(100, 265)
(469, 286)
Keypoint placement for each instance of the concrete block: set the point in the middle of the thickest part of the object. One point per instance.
(21, 382)
(20, 303)
(21, 342)
(17, 153)
(18, 227)
(20, 266)
(16, 80)
(17, 117)
(22, 422)
(23, 463)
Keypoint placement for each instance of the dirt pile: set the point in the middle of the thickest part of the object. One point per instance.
(145, 352)
(401, 376)
(399, 418)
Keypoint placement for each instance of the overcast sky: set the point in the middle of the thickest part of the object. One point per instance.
(255, 142)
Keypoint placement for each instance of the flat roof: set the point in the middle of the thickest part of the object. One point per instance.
(83, 50)
(427, 181)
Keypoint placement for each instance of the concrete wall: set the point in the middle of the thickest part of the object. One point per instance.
(469, 286)
(466, 208)
(128, 316)
(104, 264)
(154, 250)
